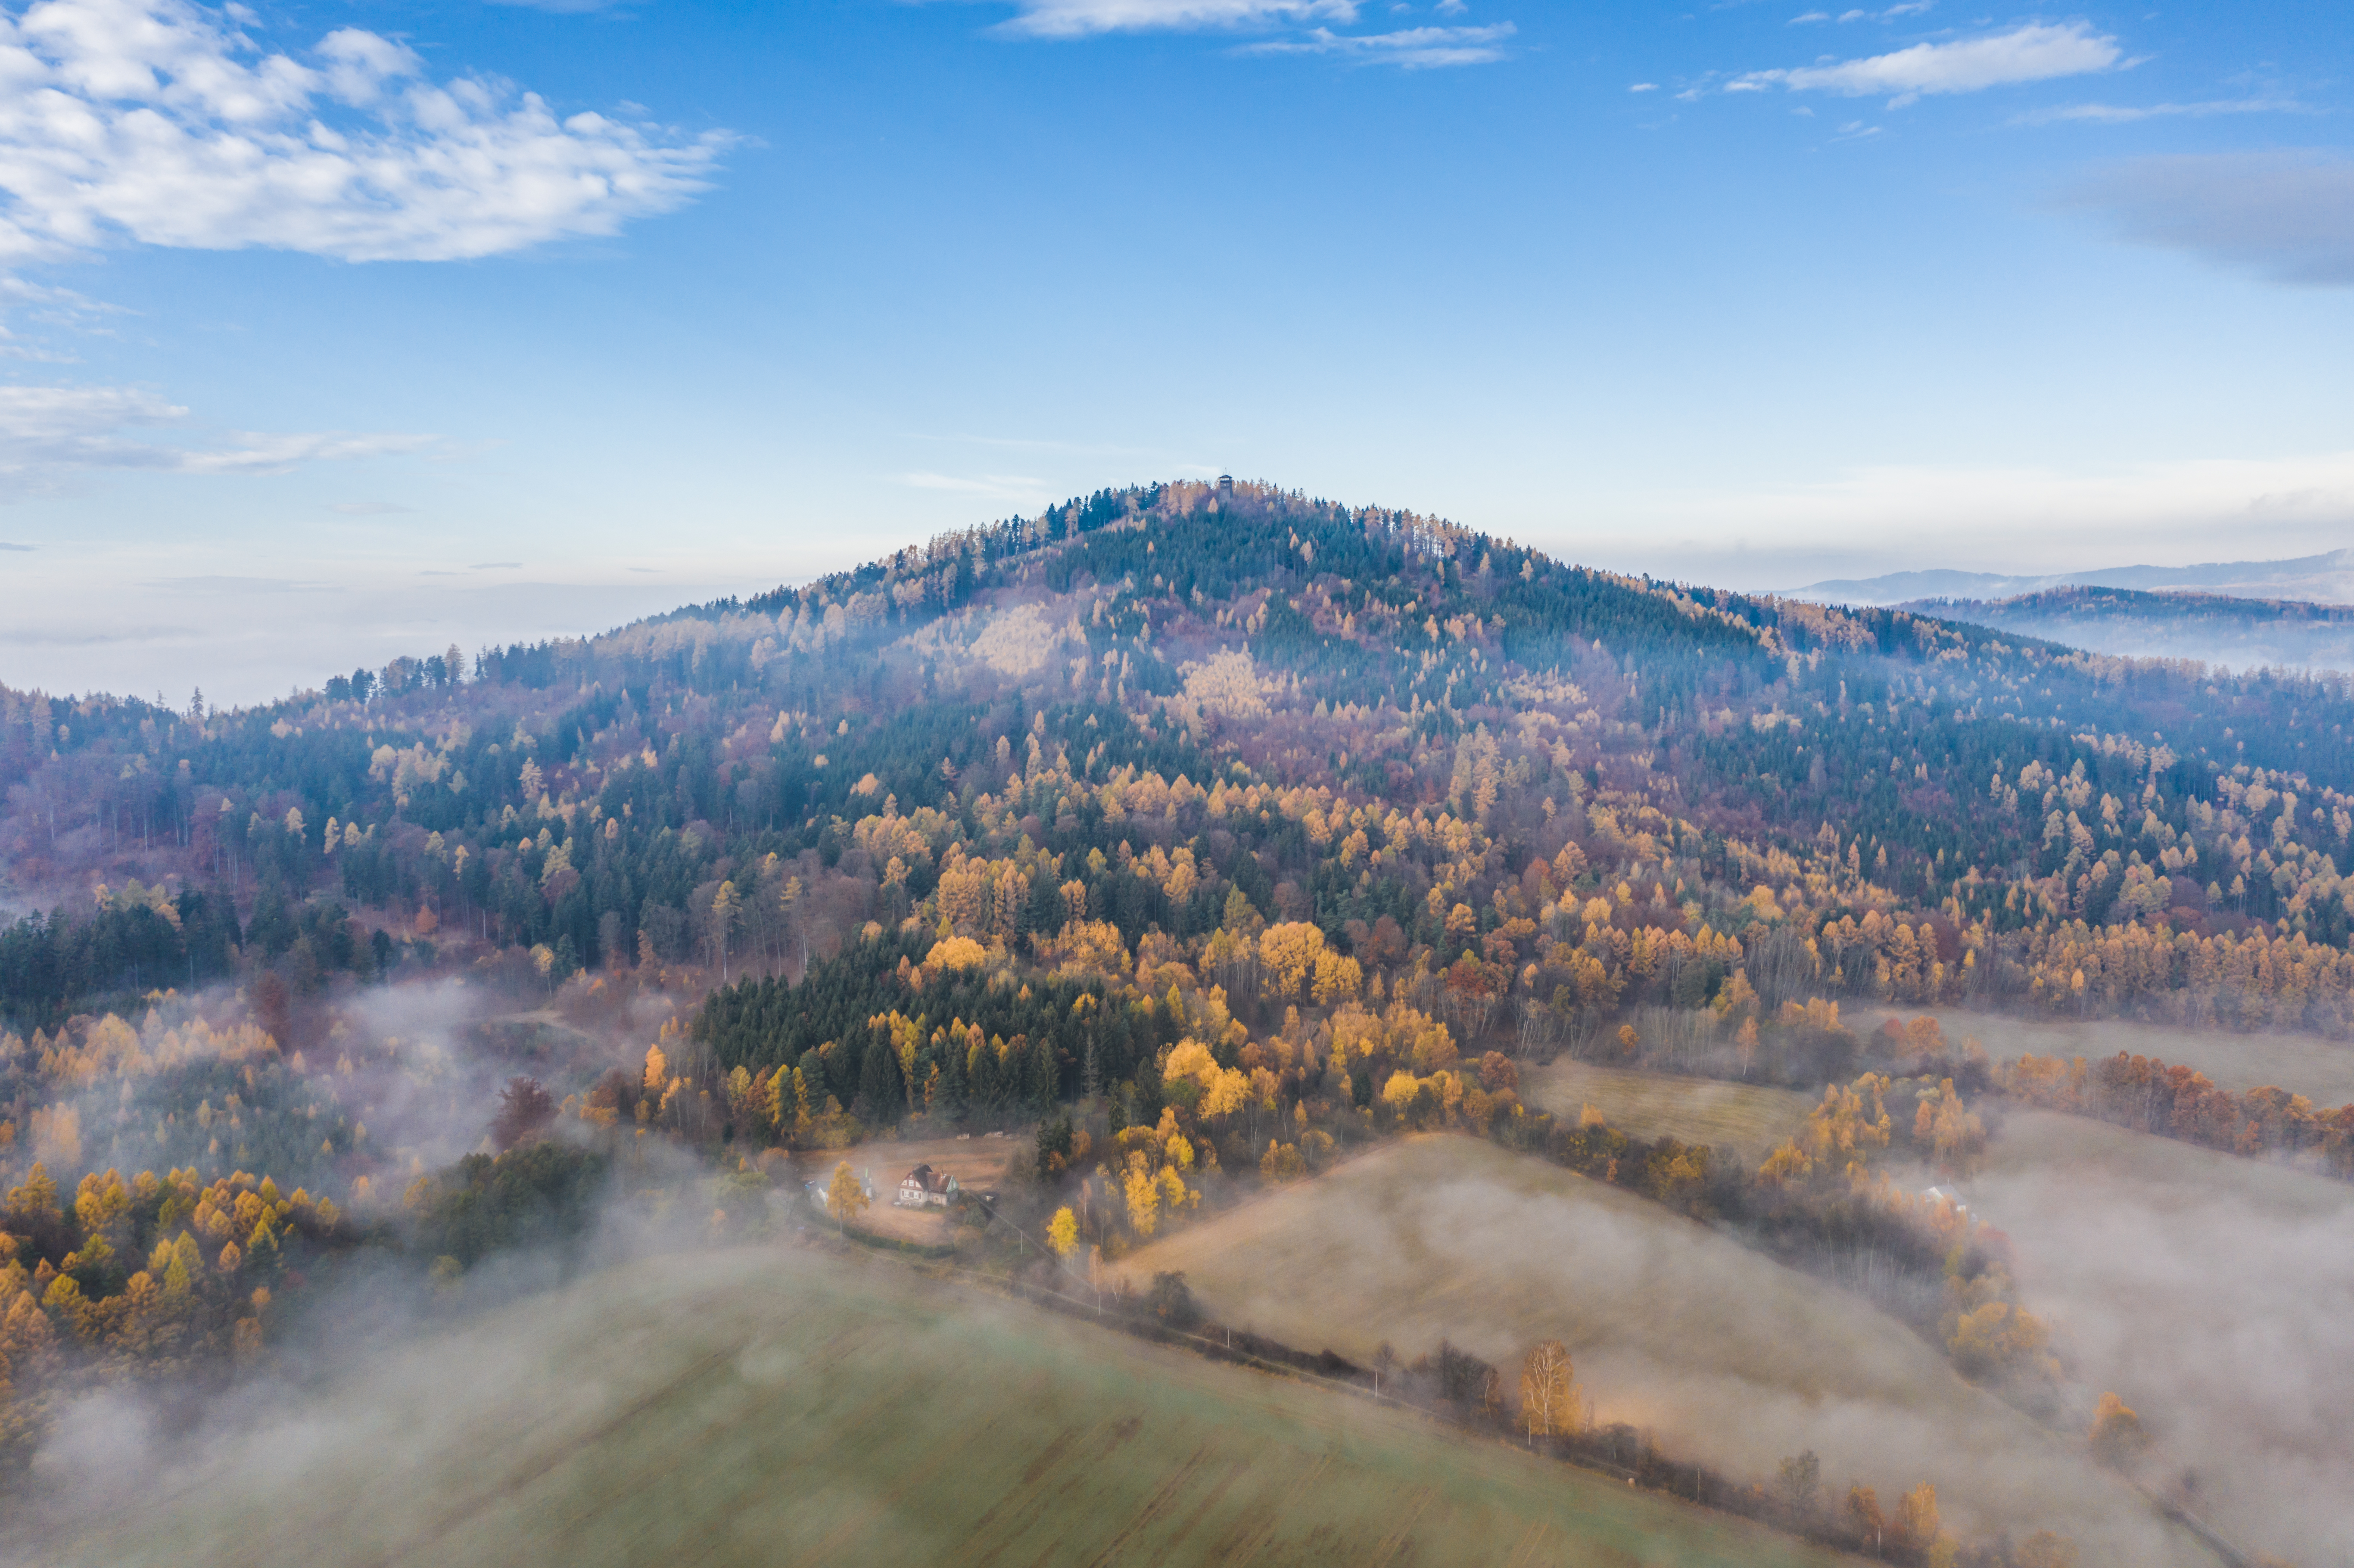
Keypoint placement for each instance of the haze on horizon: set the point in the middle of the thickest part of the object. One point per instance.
(1758, 296)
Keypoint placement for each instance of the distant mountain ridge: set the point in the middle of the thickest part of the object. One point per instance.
(2214, 628)
(2327, 579)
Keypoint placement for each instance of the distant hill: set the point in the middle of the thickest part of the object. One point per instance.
(2328, 578)
(2238, 633)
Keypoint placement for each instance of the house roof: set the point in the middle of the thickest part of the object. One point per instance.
(930, 1179)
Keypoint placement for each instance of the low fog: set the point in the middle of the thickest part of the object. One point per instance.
(2216, 1294)
(1723, 1355)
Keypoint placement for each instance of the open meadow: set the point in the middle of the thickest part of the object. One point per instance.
(789, 1407)
(1725, 1355)
(1751, 1118)
(2303, 1063)
(2216, 1294)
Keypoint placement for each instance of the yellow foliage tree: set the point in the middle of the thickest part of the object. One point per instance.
(1548, 1390)
(2116, 1437)
(1916, 1517)
(1143, 1202)
(1287, 955)
(846, 1196)
(1062, 1233)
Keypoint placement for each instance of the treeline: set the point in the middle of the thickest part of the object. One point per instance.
(2147, 1095)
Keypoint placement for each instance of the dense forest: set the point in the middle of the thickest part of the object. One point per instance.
(1336, 711)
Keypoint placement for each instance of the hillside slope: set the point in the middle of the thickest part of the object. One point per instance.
(789, 1408)
(1019, 683)
(1677, 1329)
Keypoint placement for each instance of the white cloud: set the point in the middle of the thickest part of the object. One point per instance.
(1414, 48)
(2125, 115)
(1645, 87)
(2287, 215)
(47, 432)
(1810, 17)
(995, 486)
(1083, 18)
(2037, 51)
(163, 121)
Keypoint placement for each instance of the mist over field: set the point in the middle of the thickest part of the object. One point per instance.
(1674, 1328)
(2220, 1291)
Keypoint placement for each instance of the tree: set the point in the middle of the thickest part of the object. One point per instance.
(1863, 1511)
(2116, 1437)
(2044, 1550)
(1143, 1202)
(881, 1096)
(1062, 1233)
(845, 1197)
(1799, 1479)
(725, 908)
(526, 1108)
(1916, 1517)
(1548, 1390)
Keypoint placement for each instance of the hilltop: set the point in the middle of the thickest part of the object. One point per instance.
(1345, 715)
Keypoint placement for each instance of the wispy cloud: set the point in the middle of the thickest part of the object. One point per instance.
(1411, 48)
(2126, 114)
(21, 549)
(1302, 27)
(164, 122)
(368, 508)
(2037, 51)
(996, 486)
(1644, 87)
(2288, 216)
(47, 432)
(1912, 8)
(1083, 18)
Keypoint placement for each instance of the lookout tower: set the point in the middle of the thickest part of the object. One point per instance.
(1225, 484)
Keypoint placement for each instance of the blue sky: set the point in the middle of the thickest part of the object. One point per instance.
(326, 342)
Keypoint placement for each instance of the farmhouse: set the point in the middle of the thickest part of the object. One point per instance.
(924, 1186)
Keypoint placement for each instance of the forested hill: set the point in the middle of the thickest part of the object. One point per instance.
(1409, 735)
(2238, 633)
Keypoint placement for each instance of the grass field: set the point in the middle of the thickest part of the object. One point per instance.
(978, 1162)
(1751, 1118)
(2216, 1293)
(790, 1408)
(2303, 1063)
(1727, 1356)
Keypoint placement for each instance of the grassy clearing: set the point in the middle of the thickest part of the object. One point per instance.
(1751, 1118)
(2304, 1064)
(760, 1407)
(980, 1162)
(2216, 1293)
(1724, 1354)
